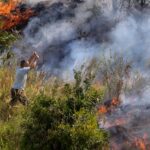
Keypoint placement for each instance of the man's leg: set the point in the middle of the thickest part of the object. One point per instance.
(22, 98)
(13, 100)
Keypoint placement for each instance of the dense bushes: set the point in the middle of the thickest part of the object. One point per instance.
(6, 40)
(10, 133)
(60, 116)
(67, 122)
(53, 125)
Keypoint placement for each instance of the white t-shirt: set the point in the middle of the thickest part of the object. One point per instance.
(21, 78)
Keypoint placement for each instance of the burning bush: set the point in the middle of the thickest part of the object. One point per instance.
(11, 14)
(109, 105)
(114, 71)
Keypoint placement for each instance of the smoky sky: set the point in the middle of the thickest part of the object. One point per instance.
(66, 35)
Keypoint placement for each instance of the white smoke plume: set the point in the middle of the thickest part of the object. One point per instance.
(67, 34)
(33, 2)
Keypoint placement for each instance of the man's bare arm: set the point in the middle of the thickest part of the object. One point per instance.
(33, 60)
(30, 60)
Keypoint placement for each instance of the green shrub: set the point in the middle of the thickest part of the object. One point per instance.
(67, 122)
(85, 132)
(10, 133)
(47, 127)
(60, 117)
(6, 39)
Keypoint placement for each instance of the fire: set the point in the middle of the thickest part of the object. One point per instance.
(102, 109)
(5, 8)
(115, 102)
(141, 144)
(120, 121)
(107, 107)
(11, 16)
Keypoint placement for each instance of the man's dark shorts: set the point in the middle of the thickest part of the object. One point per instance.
(18, 95)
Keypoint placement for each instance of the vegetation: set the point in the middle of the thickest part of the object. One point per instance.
(60, 116)
(115, 71)
(6, 39)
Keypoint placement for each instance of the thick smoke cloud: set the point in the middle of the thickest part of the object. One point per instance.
(68, 34)
(129, 122)
(59, 34)
(131, 37)
(33, 2)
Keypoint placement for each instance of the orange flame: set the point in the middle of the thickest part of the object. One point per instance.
(120, 121)
(11, 15)
(102, 110)
(140, 143)
(113, 104)
(5, 8)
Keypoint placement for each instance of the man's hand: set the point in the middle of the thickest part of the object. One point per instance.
(33, 60)
(36, 55)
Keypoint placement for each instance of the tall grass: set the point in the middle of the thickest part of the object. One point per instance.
(11, 120)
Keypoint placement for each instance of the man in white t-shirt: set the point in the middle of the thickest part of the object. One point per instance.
(17, 91)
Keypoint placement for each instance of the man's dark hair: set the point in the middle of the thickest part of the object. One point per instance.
(22, 63)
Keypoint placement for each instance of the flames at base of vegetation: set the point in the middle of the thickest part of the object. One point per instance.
(11, 15)
(103, 109)
(107, 108)
(141, 143)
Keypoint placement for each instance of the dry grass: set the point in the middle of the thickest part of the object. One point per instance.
(37, 84)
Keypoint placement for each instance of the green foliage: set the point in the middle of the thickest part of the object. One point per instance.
(11, 131)
(4, 111)
(61, 116)
(67, 122)
(85, 132)
(6, 39)
(9, 136)
(48, 125)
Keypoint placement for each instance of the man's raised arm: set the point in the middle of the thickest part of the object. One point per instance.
(33, 60)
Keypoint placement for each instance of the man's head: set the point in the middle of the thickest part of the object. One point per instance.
(24, 63)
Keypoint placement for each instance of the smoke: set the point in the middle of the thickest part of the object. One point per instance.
(129, 122)
(33, 2)
(68, 34)
(131, 37)
(57, 34)
(51, 35)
